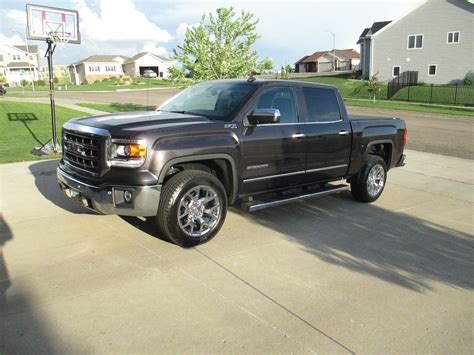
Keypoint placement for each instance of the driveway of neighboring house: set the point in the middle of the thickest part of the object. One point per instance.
(329, 275)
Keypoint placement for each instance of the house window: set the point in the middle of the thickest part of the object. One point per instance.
(396, 71)
(415, 41)
(432, 70)
(1, 58)
(453, 37)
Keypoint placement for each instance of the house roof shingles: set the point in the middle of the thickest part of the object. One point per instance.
(369, 31)
(142, 54)
(18, 65)
(100, 59)
(30, 48)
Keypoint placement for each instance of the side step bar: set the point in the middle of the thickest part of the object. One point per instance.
(259, 205)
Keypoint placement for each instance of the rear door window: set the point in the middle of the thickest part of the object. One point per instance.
(321, 105)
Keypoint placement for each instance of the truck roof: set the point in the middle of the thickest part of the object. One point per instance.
(262, 81)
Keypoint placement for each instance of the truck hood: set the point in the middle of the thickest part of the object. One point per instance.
(140, 121)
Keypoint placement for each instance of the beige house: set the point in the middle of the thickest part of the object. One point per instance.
(140, 62)
(327, 61)
(97, 67)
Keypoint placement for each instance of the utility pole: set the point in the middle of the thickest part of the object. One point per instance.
(29, 61)
(333, 50)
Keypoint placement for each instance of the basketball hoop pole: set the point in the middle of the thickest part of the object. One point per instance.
(49, 55)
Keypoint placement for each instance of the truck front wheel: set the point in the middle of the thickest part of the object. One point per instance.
(369, 184)
(193, 207)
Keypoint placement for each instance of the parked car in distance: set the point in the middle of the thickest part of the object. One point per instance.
(260, 143)
(149, 74)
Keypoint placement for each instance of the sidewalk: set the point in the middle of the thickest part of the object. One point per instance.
(68, 103)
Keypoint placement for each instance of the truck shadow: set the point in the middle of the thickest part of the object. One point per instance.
(46, 182)
(394, 247)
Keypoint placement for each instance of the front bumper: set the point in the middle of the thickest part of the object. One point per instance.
(111, 199)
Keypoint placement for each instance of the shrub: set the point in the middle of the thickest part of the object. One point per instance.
(120, 81)
(3, 80)
(25, 83)
(40, 82)
(469, 79)
(56, 80)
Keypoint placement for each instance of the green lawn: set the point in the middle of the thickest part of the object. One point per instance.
(107, 85)
(116, 107)
(417, 107)
(349, 87)
(27, 125)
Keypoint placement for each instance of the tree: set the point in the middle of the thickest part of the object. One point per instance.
(375, 86)
(265, 66)
(219, 47)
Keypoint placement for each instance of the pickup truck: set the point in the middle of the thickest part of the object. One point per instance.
(257, 142)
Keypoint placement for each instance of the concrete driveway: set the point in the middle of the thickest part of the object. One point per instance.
(329, 275)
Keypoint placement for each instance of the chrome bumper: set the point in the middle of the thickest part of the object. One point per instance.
(111, 199)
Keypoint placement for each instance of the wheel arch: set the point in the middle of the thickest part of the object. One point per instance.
(222, 164)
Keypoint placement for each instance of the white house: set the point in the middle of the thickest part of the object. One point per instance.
(19, 63)
(140, 62)
(97, 67)
(435, 39)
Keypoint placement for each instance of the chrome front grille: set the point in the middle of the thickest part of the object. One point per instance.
(82, 150)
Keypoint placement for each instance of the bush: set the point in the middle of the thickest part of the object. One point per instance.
(469, 79)
(120, 81)
(25, 83)
(40, 82)
(56, 80)
(3, 80)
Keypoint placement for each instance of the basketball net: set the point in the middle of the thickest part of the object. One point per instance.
(60, 39)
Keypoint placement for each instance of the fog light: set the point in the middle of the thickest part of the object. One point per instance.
(127, 196)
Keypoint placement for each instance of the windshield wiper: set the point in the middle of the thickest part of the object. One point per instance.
(183, 112)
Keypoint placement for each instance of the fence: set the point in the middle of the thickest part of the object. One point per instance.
(405, 79)
(437, 94)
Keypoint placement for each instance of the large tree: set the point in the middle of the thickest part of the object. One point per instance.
(220, 46)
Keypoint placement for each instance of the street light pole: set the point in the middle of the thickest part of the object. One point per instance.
(29, 60)
(333, 50)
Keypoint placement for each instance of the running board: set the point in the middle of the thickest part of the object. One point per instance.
(328, 190)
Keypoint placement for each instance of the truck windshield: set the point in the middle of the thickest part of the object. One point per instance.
(217, 101)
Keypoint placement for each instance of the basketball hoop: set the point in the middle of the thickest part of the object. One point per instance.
(60, 39)
(57, 27)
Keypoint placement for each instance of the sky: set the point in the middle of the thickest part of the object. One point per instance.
(288, 29)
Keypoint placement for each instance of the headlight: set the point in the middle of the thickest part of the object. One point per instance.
(127, 153)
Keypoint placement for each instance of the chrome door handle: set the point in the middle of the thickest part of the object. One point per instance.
(344, 133)
(297, 135)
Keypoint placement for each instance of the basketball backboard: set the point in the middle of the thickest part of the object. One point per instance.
(43, 22)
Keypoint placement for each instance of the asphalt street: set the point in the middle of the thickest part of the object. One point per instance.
(329, 275)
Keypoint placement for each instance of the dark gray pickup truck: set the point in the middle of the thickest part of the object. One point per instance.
(261, 143)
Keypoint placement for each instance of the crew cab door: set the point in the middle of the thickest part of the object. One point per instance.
(273, 155)
(328, 134)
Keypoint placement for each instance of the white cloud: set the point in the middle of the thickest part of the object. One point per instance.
(182, 28)
(14, 40)
(19, 17)
(118, 20)
(151, 47)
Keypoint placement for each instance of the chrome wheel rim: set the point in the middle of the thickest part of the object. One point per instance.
(199, 211)
(375, 180)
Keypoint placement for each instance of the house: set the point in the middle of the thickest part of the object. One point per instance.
(435, 39)
(97, 67)
(59, 71)
(327, 61)
(140, 62)
(19, 63)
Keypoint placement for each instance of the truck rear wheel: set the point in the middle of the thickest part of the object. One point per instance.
(193, 207)
(369, 185)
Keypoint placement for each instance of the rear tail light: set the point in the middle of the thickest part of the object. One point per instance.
(405, 137)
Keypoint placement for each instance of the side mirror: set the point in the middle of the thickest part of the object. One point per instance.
(264, 115)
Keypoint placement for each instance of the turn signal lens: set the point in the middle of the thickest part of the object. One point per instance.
(137, 150)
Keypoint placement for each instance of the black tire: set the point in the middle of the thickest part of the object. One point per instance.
(360, 186)
(172, 194)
